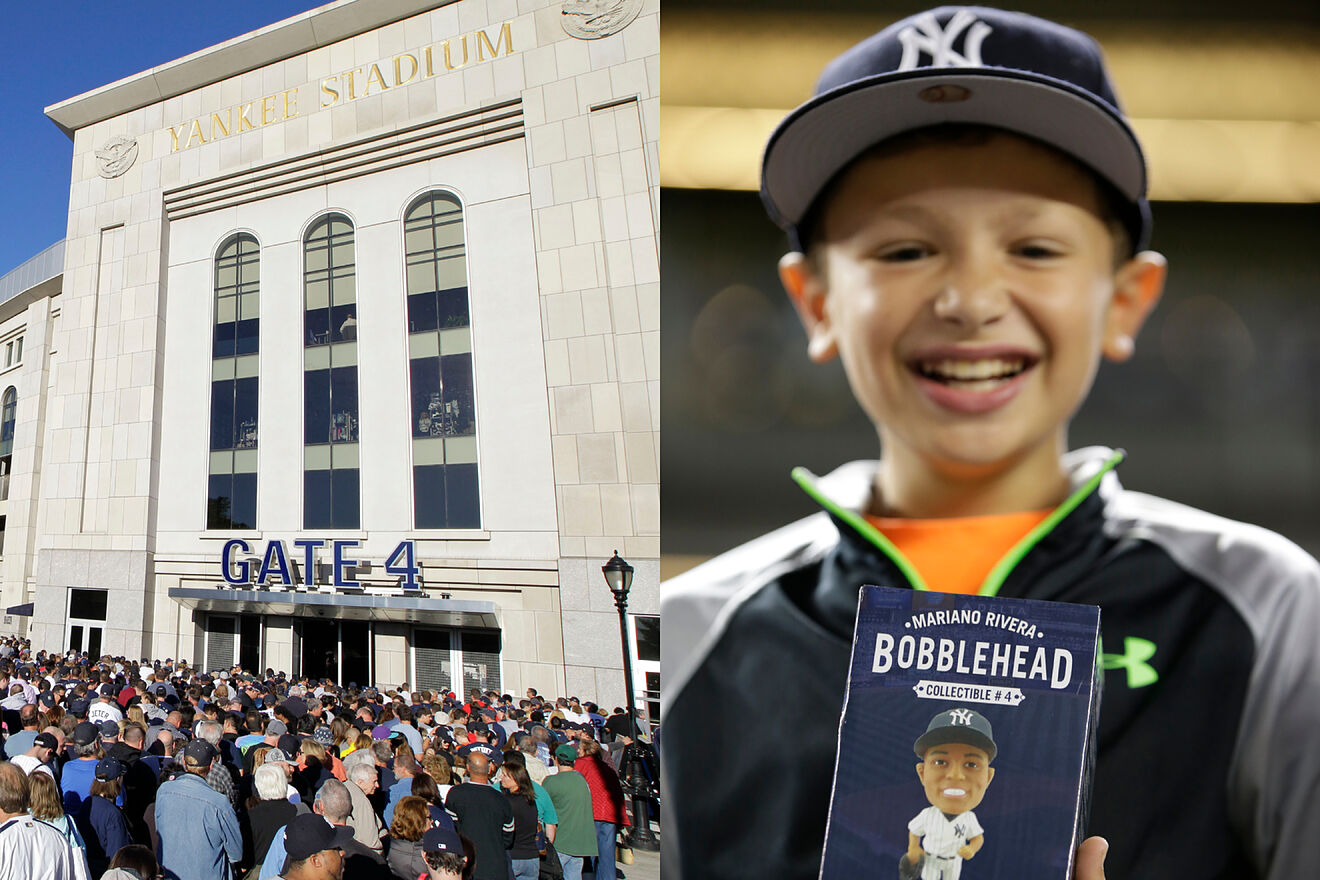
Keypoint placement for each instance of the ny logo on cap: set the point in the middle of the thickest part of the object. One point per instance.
(961, 716)
(938, 44)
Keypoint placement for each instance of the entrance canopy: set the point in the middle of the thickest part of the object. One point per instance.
(24, 610)
(341, 606)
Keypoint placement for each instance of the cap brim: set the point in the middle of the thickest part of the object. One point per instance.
(820, 138)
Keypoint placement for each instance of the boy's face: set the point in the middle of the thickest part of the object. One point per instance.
(955, 777)
(970, 290)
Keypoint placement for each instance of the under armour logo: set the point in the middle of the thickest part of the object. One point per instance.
(961, 716)
(1136, 652)
(938, 44)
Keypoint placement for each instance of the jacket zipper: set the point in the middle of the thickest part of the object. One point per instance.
(1002, 569)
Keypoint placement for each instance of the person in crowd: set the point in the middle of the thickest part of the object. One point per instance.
(525, 854)
(79, 773)
(268, 810)
(199, 834)
(424, 787)
(334, 804)
(134, 862)
(575, 840)
(405, 768)
(445, 854)
(485, 816)
(363, 780)
(44, 803)
(100, 822)
(29, 848)
(606, 802)
(408, 827)
(315, 849)
(39, 756)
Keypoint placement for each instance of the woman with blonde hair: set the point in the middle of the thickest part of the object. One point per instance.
(45, 803)
(410, 823)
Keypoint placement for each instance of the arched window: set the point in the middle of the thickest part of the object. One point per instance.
(330, 382)
(444, 418)
(232, 485)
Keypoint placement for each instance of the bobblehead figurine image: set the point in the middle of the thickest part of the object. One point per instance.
(955, 752)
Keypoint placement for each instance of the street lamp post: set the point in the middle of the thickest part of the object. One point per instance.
(618, 575)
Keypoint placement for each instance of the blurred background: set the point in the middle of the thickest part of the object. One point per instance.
(1220, 407)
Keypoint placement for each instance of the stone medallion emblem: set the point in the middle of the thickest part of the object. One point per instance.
(116, 156)
(593, 19)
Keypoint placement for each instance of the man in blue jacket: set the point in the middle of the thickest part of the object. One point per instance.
(199, 834)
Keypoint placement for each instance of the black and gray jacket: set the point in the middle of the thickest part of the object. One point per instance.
(1209, 739)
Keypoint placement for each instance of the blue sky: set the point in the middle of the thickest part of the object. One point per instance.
(60, 48)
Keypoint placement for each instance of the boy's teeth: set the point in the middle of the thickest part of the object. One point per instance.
(973, 371)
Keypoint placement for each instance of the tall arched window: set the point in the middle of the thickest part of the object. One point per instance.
(444, 418)
(232, 487)
(8, 410)
(330, 382)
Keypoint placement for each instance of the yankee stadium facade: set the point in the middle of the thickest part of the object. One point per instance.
(348, 365)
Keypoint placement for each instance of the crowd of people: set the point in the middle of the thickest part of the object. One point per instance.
(120, 770)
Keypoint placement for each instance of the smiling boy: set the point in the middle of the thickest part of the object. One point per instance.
(966, 206)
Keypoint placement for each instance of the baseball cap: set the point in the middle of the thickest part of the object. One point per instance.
(957, 64)
(109, 690)
(277, 728)
(108, 769)
(199, 753)
(965, 726)
(309, 834)
(46, 741)
(85, 733)
(78, 707)
(276, 756)
(566, 752)
(441, 840)
(109, 729)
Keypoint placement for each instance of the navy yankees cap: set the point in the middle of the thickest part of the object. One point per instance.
(965, 726)
(958, 64)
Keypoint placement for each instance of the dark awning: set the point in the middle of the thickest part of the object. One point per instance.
(345, 606)
(24, 610)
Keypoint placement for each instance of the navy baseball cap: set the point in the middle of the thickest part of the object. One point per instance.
(108, 769)
(958, 64)
(308, 834)
(965, 726)
(442, 839)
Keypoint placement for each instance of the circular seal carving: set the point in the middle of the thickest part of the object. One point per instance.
(593, 19)
(116, 156)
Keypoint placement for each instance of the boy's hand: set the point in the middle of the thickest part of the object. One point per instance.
(966, 851)
(914, 855)
(1091, 859)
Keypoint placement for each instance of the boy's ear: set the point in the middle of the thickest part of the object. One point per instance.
(921, 771)
(1138, 285)
(806, 288)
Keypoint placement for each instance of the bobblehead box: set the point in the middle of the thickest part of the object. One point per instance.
(967, 738)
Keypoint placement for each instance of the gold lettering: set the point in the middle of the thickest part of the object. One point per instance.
(222, 124)
(430, 68)
(448, 61)
(195, 132)
(328, 90)
(398, 69)
(352, 84)
(245, 124)
(174, 138)
(268, 110)
(290, 103)
(506, 32)
(374, 75)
